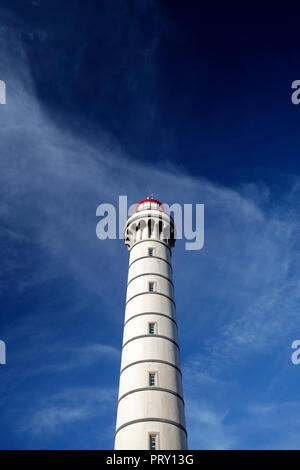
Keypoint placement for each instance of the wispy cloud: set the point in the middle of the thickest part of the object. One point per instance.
(259, 290)
(276, 424)
(83, 356)
(52, 418)
(207, 427)
(66, 408)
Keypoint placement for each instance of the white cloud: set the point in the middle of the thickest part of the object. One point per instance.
(82, 356)
(207, 427)
(67, 407)
(50, 419)
(277, 424)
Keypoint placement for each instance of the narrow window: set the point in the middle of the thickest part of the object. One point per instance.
(153, 441)
(152, 379)
(149, 229)
(152, 329)
(150, 251)
(151, 286)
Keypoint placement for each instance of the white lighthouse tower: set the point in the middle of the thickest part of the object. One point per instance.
(150, 404)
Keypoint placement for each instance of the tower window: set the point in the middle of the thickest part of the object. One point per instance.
(152, 379)
(150, 251)
(153, 441)
(152, 328)
(151, 286)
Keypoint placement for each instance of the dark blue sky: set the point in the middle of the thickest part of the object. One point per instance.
(167, 80)
(109, 98)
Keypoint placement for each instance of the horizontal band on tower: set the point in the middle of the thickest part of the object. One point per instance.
(148, 292)
(145, 420)
(150, 274)
(150, 336)
(151, 240)
(152, 216)
(147, 389)
(151, 313)
(152, 257)
(160, 361)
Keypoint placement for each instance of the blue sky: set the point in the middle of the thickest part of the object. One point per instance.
(195, 107)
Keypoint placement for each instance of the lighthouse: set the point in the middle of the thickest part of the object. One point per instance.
(150, 411)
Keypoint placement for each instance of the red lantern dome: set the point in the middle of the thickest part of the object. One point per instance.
(150, 203)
